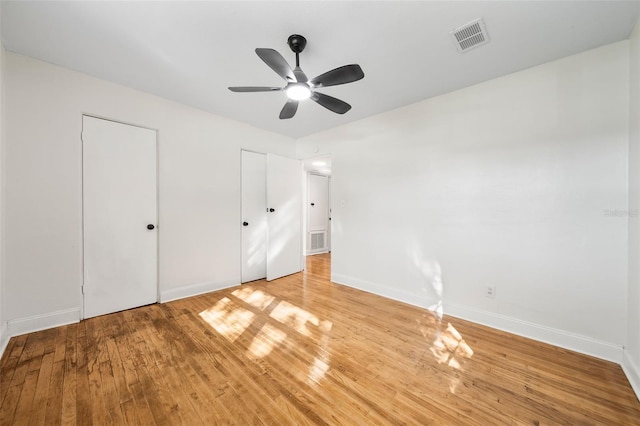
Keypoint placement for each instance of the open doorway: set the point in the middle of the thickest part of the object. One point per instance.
(317, 211)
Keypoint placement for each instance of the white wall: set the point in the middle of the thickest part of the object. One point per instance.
(199, 189)
(631, 363)
(4, 338)
(507, 184)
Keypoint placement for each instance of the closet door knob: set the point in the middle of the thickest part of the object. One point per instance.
(245, 223)
(150, 227)
(272, 210)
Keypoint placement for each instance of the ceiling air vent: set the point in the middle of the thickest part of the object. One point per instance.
(471, 35)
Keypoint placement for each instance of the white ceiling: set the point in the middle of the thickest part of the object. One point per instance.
(191, 51)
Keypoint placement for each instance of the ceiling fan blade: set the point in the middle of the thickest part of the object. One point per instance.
(255, 89)
(301, 77)
(341, 75)
(289, 109)
(331, 103)
(276, 62)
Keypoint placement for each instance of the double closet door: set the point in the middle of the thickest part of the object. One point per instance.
(271, 216)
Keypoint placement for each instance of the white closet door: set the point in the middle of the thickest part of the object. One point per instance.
(254, 216)
(284, 216)
(120, 215)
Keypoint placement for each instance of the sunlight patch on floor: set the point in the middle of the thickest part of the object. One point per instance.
(448, 346)
(265, 341)
(321, 362)
(445, 345)
(255, 298)
(228, 319)
(298, 318)
(317, 371)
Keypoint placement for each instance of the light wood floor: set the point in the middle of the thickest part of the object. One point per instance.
(300, 350)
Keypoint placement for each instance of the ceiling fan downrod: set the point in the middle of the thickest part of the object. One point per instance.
(297, 43)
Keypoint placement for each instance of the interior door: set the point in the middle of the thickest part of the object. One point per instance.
(119, 215)
(254, 216)
(284, 216)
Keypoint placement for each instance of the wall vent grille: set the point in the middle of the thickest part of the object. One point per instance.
(471, 35)
(317, 241)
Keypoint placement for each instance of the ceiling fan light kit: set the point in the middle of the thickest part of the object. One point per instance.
(298, 86)
(298, 91)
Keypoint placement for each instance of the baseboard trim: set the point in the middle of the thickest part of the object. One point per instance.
(196, 289)
(4, 338)
(632, 372)
(18, 326)
(541, 333)
(369, 287)
(556, 337)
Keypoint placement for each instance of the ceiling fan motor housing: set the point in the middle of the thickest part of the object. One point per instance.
(297, 43)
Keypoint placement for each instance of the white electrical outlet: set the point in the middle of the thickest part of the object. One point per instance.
(490, 292)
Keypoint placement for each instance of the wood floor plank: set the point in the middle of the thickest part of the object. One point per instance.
(204, 378)
(301, 350)
(133, 371)
(69, 384)
(121, 371)
(53, 412)
(166, 363)
(151, 386)
(99, 411)
(108, 387)
(9, 363)
(42, 390)
(33, 358)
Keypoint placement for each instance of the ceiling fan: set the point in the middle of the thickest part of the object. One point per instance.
(299, 87)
